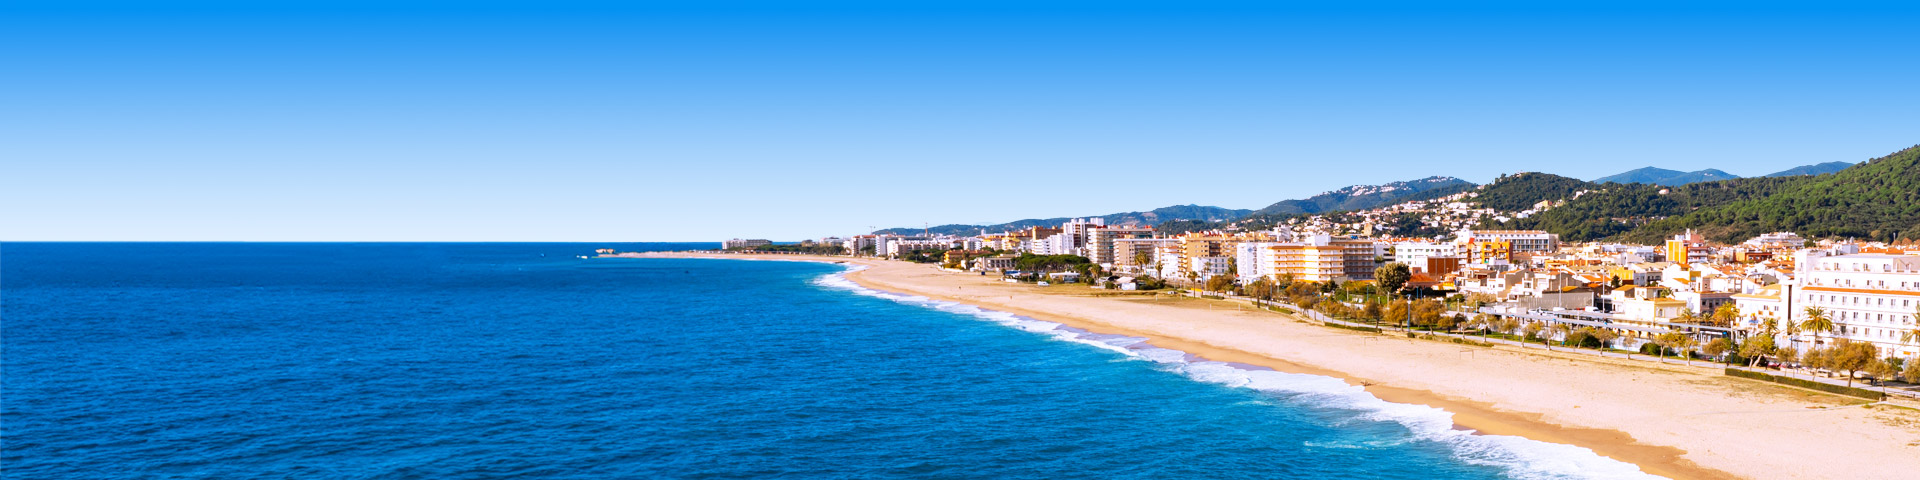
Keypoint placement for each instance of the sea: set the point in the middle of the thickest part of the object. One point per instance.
(528, 361)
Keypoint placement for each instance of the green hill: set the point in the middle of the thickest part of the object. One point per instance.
(1520, 191)
(1876, 200)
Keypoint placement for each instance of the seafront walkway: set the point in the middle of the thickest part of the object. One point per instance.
(1705, 367)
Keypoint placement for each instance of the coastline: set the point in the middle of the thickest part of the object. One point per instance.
(1675, 456)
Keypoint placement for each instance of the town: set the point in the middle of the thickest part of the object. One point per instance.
(1846, 308)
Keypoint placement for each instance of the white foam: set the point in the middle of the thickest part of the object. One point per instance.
(1519, 457)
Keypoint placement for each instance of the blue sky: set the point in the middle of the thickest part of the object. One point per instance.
(639, 121)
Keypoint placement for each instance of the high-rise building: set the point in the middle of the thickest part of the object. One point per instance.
(1318, 259)
(1100, 243)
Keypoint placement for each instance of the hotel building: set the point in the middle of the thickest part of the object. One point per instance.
(1871, 297)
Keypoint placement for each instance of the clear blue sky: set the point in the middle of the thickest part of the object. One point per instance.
(635, 121)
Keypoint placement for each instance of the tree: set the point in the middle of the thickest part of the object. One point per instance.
(1393, 276)
(1371, 311)
(1687, 316)
(1913, 372)
(1669, 341)
(1532, 332)
(1560, 330)
(1483, 322)
(1882, 370)
(1605, 337)
(1717, 347)
(1220, 283)
(1816, 323)
(1578, 337)
(1755, 347)
(1786, 355)
(1684, 344)
(1427, 313)
(1397, 310)
(1260, 288)
(1852, 356)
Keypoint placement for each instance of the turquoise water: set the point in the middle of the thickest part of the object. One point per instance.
(523, 361)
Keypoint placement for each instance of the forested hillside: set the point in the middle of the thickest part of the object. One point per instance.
(1876, 200)
(1512, 193)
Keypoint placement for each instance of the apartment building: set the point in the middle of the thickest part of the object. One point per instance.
(1777, 240)
(1079, 232)
(1871, 297)
(1415, 255)
(1519, 240)
(1688, 248)
(1318, 259)
(1101, 244)
(1127, 252)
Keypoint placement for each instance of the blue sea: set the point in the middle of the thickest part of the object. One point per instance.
(482, 361)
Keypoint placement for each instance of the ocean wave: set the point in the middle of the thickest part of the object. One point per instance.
(1519, 457)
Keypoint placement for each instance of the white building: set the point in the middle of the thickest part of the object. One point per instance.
(1522, 240)
(1058, 244)
(1871, 297)
(1415, 254)
(858, 242)
(1253, 260)
(739, 243)
(1777, 240)
(1209, 267)
(892, 246)
(1078, 232)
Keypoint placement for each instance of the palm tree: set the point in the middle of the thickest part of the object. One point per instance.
(1817, 322)
(1687, 316)
(1726, 315)
(1793, 334)
(1911, 337)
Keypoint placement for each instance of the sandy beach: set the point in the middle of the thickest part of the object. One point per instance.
(1671, 420)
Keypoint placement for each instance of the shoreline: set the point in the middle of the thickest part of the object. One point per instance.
(1481, 417)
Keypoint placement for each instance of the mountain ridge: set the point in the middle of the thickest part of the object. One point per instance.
(1815, 169)
(1150, 217)
(1364, 197)
(1661, 176)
